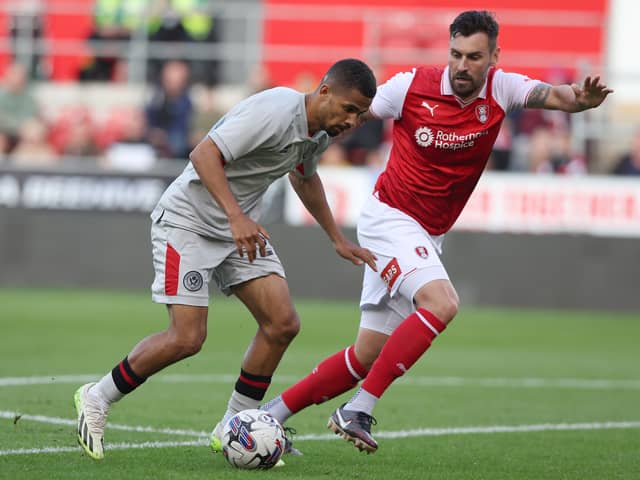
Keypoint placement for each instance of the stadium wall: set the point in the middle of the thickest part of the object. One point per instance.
(108, 246)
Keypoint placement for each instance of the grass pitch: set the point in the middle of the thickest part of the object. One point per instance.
(504, 394)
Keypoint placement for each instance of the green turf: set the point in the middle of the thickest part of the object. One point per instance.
(54, 333)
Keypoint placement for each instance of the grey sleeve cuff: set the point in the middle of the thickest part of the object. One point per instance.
(224, 149)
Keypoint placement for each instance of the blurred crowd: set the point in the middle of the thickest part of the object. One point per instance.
(130, 137)
(179, 107)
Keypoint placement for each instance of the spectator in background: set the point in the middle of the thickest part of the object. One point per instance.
(360, 143)
(629, 164)
(170, 111)
(259, 79)
(79, 141)
(17, 103)
(186, 21)
(26, 25)
(366, 140)
(500, 158)
(550, 151)
(114, 21)
(334, 156)
(4, 147)
(133, 151)
(305, 82)
(564, 159)
(32, 149)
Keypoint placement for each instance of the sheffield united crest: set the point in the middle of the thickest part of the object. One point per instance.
(482, 113)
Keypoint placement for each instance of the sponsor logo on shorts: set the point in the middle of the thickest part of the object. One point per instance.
(192, 281)
(390, 273)
(422, 251)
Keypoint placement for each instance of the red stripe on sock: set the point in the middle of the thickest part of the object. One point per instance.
(126, 376)
(405, 346)
(171, 271)
(254, 383)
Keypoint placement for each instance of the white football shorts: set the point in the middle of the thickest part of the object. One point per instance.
(185, 262)
(408, 259)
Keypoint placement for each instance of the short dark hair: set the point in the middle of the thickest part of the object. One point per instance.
(474, 21)
(351, 73)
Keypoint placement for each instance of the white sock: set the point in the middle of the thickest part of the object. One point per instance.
(237, 403)
(362, 401)
(106, 390)
(278, 409)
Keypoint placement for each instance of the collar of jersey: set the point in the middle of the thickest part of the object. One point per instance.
(303, 129)
(447, 89)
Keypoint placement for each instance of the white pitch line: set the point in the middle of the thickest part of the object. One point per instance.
(112, 446)
(564, 383)
(110, 426)
(543, 427)
(421, 432)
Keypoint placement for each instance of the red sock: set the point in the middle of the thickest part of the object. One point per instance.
(334, 375)
(403, 348)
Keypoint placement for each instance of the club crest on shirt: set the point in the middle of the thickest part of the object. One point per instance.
(422, 251)
(482, 113)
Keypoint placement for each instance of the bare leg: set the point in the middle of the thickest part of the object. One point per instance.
(184, 337)
(268, 300)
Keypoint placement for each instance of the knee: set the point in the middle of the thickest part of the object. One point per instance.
(284, 328)
(368, 346)
(366, 354)
(187, 344)
(448, 310)
(445, 308)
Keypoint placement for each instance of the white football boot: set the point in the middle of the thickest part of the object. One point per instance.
(92, 417)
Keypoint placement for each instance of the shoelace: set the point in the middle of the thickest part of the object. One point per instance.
(289, 431)
(288, 444)
(95, 414)
(366, 420)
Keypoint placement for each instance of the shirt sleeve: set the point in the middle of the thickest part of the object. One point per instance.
(250, 125)
(511, 90)
(390, 96)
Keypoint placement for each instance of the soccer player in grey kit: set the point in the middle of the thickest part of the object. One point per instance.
(206, 226)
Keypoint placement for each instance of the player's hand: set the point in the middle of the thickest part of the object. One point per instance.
(591, 94)
(355, 254)
(250, 237)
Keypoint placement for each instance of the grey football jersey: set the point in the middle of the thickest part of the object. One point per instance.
(261, 138)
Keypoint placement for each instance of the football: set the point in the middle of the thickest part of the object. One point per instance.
(253, 439)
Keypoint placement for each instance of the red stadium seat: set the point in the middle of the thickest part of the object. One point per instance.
(63, 27)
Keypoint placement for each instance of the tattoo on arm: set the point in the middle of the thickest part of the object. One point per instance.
(538, 96)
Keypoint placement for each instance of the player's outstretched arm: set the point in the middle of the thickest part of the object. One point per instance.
(569, 98)
(311, 193)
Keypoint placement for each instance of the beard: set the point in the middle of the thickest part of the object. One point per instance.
(335, 130)
(463, 85)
